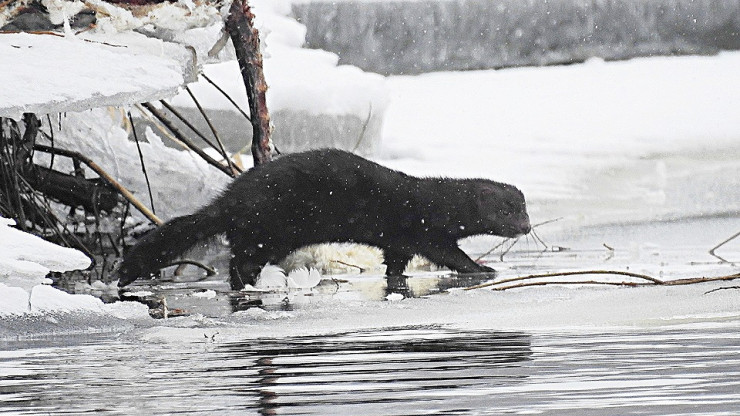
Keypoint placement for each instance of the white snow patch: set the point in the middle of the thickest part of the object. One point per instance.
(274, 277)
(127, 310)
(394, 297)
(303, 278)
(205, 294)
(46, 299)
(25, 259)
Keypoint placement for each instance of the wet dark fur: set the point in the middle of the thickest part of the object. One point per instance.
(334, 196)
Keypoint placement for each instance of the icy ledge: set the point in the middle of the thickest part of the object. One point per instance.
(52, 74)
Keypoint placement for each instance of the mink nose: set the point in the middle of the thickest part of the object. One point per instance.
(524, 226)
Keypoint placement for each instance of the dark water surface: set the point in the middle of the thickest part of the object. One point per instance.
(390, 371)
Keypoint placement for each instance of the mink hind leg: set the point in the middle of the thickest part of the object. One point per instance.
(395, 261)
(247, 261)
(243, 271)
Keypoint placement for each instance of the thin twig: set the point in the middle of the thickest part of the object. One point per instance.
(229, 162)
(160, 126)
(582, 282)
(162, 118)
(492, 250)
(143, 165)
(652, 280)
(228, 97)
(210, 271)
(364, 128)
(538, 239)
(362, 270)
(185, 121)
(516, 240)
(689, 281)
(572, 273)
(51, 139)
(711, 252)
(721, 288)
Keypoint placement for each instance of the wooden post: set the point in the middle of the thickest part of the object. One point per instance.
(239, 24)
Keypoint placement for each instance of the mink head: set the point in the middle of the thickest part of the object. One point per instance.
(502, 209)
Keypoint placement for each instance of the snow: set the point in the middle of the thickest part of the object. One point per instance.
(597, 138)
(25, 260)
(299, 80)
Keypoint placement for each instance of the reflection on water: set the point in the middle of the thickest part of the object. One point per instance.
(391, 371)
(364, 373)
(367, 288)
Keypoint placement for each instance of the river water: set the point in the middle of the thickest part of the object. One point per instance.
(389, 371)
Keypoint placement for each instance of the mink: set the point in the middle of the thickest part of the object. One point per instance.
(329, 195)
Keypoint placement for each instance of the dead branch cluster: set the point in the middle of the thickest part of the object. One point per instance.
(32, 194)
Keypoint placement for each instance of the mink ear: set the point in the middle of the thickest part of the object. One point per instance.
(486, 197)
(487, 189)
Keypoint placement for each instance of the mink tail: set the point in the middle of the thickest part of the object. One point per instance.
(167, 242)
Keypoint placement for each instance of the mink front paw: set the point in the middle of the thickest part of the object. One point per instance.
(486, 269)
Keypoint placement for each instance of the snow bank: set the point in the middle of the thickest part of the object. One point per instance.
(25, 260)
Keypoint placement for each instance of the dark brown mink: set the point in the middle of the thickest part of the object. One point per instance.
(329, 195)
